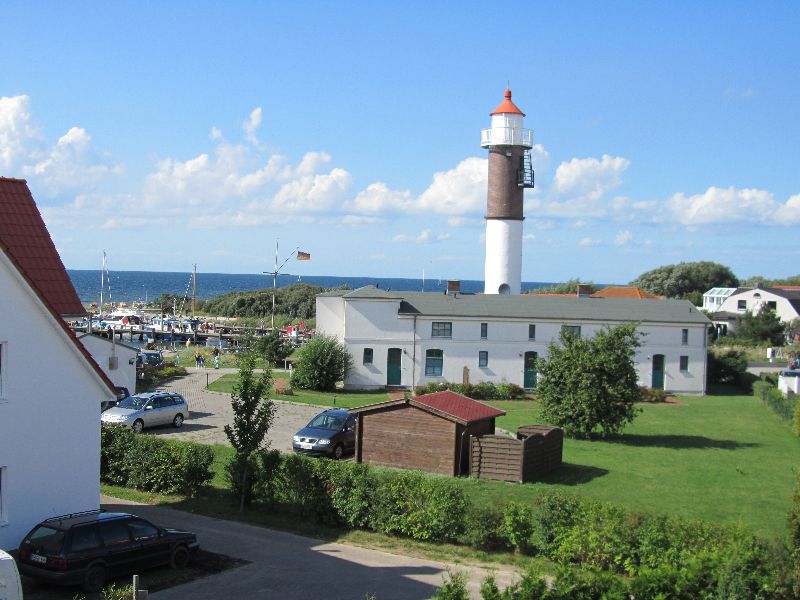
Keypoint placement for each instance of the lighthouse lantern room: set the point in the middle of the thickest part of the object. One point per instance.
(510, 172)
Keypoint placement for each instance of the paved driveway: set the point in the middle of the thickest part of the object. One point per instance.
(211, 411)
(287, 567)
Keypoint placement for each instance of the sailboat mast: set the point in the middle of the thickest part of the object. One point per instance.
(102, 282)
(194, 287)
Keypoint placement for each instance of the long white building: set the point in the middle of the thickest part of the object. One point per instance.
(408, 339)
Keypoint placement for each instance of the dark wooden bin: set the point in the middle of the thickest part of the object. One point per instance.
(536, 451)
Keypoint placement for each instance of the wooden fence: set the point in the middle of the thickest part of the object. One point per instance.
(536, 451)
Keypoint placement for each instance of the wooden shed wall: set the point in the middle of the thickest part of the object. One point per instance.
(406, 437)
(542, 453)
(496, 457)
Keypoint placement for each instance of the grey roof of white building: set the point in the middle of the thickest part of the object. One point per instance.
(432, 304)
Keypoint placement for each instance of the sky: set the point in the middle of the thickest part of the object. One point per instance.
(173, 134)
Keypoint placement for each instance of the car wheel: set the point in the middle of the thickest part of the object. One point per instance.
(95, 579)
(179, 557)
(138, 425)
(338, 452)
(178, 420)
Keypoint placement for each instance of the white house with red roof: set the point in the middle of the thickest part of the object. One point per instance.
(50, 387)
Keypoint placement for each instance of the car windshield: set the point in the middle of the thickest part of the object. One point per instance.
(330, 422)
(132, 402)
(46, 539)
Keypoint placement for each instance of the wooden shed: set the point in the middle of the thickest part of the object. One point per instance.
(430, 432)
(536, 451)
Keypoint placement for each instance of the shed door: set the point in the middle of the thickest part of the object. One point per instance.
(658, 372)
(530, 370)
(393, 372)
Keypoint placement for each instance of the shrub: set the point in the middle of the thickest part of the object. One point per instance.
(352, 492)
(484, 529)
(518, 525)
(783, 406)
(554, 516)
(261, 467)
(321, 363)
(484, 390)
(726, 366)
(453, 588)
(301, 486)
(653, 395)
(796, 418)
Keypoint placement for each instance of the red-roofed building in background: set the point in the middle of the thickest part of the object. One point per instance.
(625, 291)
(50, 388)
(429, 432)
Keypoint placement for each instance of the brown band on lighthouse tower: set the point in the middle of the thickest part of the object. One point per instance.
(505, 196)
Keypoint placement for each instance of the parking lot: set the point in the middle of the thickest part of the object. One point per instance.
(211, 411)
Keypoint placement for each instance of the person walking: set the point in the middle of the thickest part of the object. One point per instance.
(215, 353)
(198, 358)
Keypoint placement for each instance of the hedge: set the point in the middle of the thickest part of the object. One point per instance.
(485, 390)
(153, 464)
(784, 406)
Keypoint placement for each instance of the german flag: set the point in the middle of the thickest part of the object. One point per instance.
(303, 255)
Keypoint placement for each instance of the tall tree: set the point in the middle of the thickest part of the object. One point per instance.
(685, 279)
(764, 326)
(253, 413)
(589, 383)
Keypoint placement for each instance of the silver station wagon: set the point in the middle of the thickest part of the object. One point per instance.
(148, 410)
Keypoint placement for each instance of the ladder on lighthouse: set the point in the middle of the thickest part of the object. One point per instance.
(525, 171)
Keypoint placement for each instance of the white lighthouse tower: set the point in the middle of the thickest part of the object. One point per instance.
(510, 172)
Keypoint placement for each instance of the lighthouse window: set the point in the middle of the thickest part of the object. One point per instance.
(484, 330)
(483, 358)
(434, 360)
(441, 329)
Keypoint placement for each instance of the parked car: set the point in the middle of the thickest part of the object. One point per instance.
(331, 433)
(89, 547)
(153, 358)
(148, 409)
(122, 393)
(10, 585)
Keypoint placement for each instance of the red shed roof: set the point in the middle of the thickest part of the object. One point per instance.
(507, 106)
(25, 239)
(457, 406)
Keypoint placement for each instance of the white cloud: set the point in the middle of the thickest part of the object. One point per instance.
(377, 197)
(589, 177)
(252, 124)
(623, 237)
(357, 221)
(579, 224)
(528, 237)
(731, 205)
(587, 241)
(19, 137)
(215, 134)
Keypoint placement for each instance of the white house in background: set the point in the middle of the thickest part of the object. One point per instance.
(408, 339)
(50, 388)
(713, 298)
(117, 360)
(785, 301)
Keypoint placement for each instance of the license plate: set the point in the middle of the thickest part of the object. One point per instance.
(306, 446)
(38, 559)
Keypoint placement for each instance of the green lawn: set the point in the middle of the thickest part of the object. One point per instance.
(721, 458)
(339, 398)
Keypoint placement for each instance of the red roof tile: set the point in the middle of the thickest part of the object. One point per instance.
(625, 291)
(507, 106)
(25, 239)
(457, 406)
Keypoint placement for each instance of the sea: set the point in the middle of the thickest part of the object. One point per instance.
(129, 286)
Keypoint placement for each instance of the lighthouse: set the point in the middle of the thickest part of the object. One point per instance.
(510, 172)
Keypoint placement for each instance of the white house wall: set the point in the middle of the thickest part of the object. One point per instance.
(101, 349)
(49, 416)
(376, 325)
(754, 304)
(330, 316)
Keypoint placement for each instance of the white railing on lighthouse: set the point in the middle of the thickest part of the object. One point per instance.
(507, 136)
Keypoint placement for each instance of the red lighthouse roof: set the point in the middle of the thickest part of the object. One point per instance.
(507, 106)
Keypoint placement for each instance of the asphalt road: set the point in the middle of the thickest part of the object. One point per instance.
(288, 567)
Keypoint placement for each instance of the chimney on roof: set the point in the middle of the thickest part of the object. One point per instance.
(584, 290)
(453, 286)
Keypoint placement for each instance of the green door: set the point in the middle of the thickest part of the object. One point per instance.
(658, 372)
(530, 370)
(393, 373)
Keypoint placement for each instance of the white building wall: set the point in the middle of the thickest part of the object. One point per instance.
(503, 255)
(330, 316)
(101, 349)
(755, 300)
(49, 416)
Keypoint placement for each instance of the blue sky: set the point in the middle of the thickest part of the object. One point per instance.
(176, 133)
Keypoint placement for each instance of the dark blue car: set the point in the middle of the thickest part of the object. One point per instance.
(331, 433)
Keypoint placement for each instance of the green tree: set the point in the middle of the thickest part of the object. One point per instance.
(567, 287)
(253, 413)
(586, 383)
(727, 366)
(764, 326)
(320, 364)
(273, 347)
(686, 280)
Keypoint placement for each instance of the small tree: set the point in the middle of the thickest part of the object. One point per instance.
(765, 326)
(588, 383)
(253, 413)
(726, 366)
(321, 363)
(273, 347)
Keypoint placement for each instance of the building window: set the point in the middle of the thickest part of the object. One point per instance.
(367, 356)
(483, 358)
(442, 329)
(484, 331)
(772, 304)
(434, 360)
(741, 305)
(684, 363)
(571, 330)
(685, 337)
(531, 331)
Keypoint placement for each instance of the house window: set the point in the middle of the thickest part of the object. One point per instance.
(484, 331)
(441, 329)
(772, 304)
(572, 330)
(684, 363)
(367, 356)
(741, 305)
(531, 331)
(434, 360)
(483, 358)
(685, 337)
